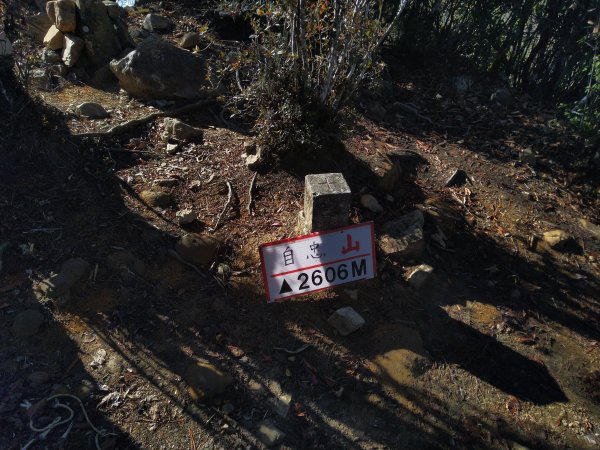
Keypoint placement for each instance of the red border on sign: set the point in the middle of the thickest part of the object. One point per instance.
(299, 238)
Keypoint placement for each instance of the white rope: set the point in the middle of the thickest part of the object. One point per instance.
(44, 431)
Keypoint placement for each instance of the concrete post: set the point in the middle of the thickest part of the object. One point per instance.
(326, 202)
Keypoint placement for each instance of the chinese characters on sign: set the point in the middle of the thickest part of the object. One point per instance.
(318, 261)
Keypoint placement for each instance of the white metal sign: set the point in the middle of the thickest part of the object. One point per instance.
(317, 261)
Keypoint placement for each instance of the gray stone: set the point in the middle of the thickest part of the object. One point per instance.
(269, 434)
(64, 11)
(73, 271)
(102, 43)
(154, 23)
(282, 404)
(58, 69)
(387, 171)
(72, 48)
(206, 381)
(157, 198)
(51, 56)
(159, 70)
(327, 200)
(462, 83)
(113, 9)
(346, 320)
(189, 40)
(176, 129)
(185, 216)
(371, 203)
(91, 110)
(37, 27)
(51, 11)
(198, 249)
(54, 38)
(417, 277)
(228, 408)
(402, 239)
(39, 79)
(6, 47)
(458, 178)
(115, 364)
(27, 323)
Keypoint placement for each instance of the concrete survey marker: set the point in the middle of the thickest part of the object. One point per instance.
(318, 261)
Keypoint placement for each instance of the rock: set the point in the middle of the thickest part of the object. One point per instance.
(458, 178)
(371, 203)
(39, 79)
(185, 216)
(113, 9)
(73, 271)
(157, 198)
(254, 155)
(102, 36)
(51, 11)
(124, 263)
(37, 27)
(58, 69)
(176, 129)
(159, 70)
(51, 56)
(6, 48)
(376, 110)
(388, 173)
(269, 434)
(38, 378)
(27, 323)
(402, 239)
(462, 83)
(64, 11)
(91, 110)
(54, 39)
(419, 275)
(189, 40)
(502, 96)
(72, 48)
(282, 404)
(206, 381)
(103, 77)
(198, 249)
(154, 23)
(346, 320)
(561, 241)
(173, 148)
(228, 408)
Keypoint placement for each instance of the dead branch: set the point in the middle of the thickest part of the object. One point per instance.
(250, 206)
(229, 197)
(142, 120)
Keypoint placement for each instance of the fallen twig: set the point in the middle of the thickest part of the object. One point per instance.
(293, 352)
(250, 206)
(142, 120)
(185, 263)
(229, 196)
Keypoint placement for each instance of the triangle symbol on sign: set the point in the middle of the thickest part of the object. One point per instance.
(285, 287)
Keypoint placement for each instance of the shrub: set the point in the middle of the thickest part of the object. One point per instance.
(306, 62)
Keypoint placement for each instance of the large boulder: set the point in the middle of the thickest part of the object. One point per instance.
(64, 14)
(159, 70)
(97, 29)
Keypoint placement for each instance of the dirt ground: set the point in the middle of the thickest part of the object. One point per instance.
(498, 350)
